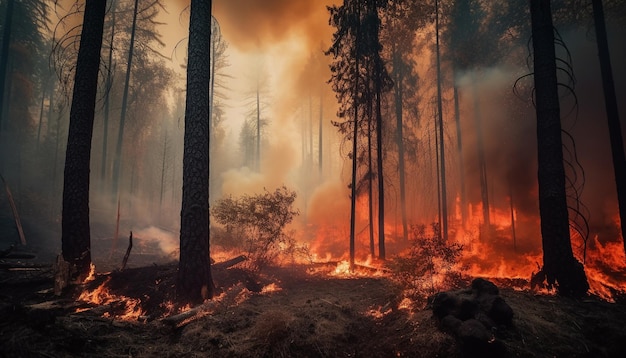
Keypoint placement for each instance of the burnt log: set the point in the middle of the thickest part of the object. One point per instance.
(229, 263)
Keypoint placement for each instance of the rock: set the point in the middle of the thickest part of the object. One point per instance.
(473, 315)
(478, 341)
(500, 311)
(451, 324)
(443, 304)
(482, 286)
(467, 308)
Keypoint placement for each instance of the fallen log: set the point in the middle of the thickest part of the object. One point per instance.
(230, 262)
(184, 318)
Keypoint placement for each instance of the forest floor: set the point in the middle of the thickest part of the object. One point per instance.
(284, 312)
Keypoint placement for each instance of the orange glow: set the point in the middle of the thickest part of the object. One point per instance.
(272, 287)
(606, 269)
(101, 296)
(92, 273)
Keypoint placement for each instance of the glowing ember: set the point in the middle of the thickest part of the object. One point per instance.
(272, 287)
(378, 313)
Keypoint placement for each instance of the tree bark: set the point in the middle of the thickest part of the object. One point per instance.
(444, 196)
(75, 234)
(560, 266)
(354, 137)
(107, 100)
(4, 55)
(120, 133)
(398, 101)
(194, 282)
(610, 101)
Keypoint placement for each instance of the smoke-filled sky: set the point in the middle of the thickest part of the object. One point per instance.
(283, 35)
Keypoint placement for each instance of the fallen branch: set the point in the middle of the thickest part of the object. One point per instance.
(184, 318)
(230, 262)
(130, 246)
(16, 216)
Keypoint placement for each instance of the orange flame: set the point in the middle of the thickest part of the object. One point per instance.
(102, 296)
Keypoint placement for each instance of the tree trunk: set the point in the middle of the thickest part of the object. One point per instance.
(120, 133)
(442, 162)
(560, 266)
(610, 100)
(398, 101)
(319, 143)
(354, 137)
(370, 180)
(379, 161)
(482, 162)
(4, 55)
(258, 125)
(75, 239)
(107, 100)
(194, 282)
(459, 146)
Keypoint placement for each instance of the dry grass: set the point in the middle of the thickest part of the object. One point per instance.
(312, 317)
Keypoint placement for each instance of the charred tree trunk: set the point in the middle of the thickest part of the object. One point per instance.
(4, 55)
(354, 137)
(442, 157)
(76, 239)
(120, 133)
(459, 146)
(319, 143)
(398, 102)
(194, 282)
(379, 163)
(107, 100)
(560, 266)
(258, 125)
(610, 100)
(370, 179)
(482, 162)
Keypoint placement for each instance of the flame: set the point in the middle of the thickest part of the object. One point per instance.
(272, 287)
(101, 296)
(92, 273)
(606, 269)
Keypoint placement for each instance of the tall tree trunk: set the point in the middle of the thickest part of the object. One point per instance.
(482, 162)
(398, 101)
(354, 136)
(107, 100)
(459, 146)
(75, 234)
(194, 282)
(379, 161)
(610, 101)
(4, 56)
(120, 133)
(370, 179)
(560, 266)
(319, 142)
(258, 125)
(41, 107)
(163, 162)
(442, 157)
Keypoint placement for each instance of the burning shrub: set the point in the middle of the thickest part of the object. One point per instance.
(429, 265)
(257, 223)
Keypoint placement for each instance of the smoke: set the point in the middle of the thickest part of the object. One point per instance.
(254, 25)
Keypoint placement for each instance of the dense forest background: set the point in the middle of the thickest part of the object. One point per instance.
(275, 121)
